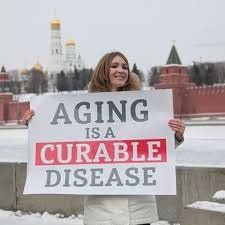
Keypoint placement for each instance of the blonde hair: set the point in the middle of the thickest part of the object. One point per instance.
(135, 82)
(100, 79)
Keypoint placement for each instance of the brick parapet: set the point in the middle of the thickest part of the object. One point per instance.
(190, 100)
(2, 118)
(16, 110)
(11, 111)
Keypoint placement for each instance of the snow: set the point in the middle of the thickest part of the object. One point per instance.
(208, 206)
(13, 145)
(19, 218)
(219, 195)
(201, 152)
(27, 97)
(204, 146)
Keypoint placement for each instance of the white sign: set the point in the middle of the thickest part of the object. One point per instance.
(116, 143)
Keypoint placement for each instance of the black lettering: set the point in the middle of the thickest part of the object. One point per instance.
(114, 177)
(61, 109)
(95, 132)
(77, 115)
(94, 177)
(114, 109)
(81, 178)
(109, 132)
(144, 113)
(148, 176)
(129, 174)
(67, 178)
(49, 181)
(99, 112)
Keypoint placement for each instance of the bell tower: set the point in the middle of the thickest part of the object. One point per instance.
(70, 57)
(56, 56)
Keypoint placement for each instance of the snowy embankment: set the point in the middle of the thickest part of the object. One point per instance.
(219, 195)
(19, 218)
(204, 146)
(208, 206)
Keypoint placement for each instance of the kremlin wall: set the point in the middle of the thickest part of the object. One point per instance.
(190, 101)
(10, 110)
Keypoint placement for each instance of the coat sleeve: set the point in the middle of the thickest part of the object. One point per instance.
(178, 142)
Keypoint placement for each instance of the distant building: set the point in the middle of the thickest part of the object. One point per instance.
(4, 80)
(24, 77)
(56, 55)
(70, 57)
(57, 60)
(80, 63)
(189, 100)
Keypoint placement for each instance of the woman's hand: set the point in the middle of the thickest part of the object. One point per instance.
(28, 116)
(178, 126)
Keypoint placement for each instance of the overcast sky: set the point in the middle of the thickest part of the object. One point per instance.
(143, 30)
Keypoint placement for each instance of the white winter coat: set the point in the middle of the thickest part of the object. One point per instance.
(119, 210)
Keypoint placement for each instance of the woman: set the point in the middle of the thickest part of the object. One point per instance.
(113, 74)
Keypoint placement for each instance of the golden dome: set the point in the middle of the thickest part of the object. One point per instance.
(55, 21)
(55, 24)
(70, 42)
(24, 71)
(37, 66)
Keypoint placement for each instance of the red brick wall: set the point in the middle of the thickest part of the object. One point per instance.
(205, 100)
(1, 112)
(174, 70)
(11, 111)
(6, 97)
(16, 111)
(189, 100)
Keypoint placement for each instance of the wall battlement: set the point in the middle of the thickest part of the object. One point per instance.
(11, 111)
(191, 100)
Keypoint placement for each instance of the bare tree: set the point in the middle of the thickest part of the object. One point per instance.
(37, 82)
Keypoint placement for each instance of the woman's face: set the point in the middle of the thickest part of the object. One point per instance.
(118, 73)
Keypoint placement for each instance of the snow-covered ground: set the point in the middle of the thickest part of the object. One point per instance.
(208, 206)
(203, 146)
(18, 218)
(13, 145)
(219, 195)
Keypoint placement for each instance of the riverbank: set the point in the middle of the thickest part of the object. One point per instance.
(205, 121)
(13, 126)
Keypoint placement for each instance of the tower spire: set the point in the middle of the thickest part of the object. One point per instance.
(56, 60)
(173, 56)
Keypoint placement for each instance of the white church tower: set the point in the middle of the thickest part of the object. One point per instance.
(56, 56)
(70, 57)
